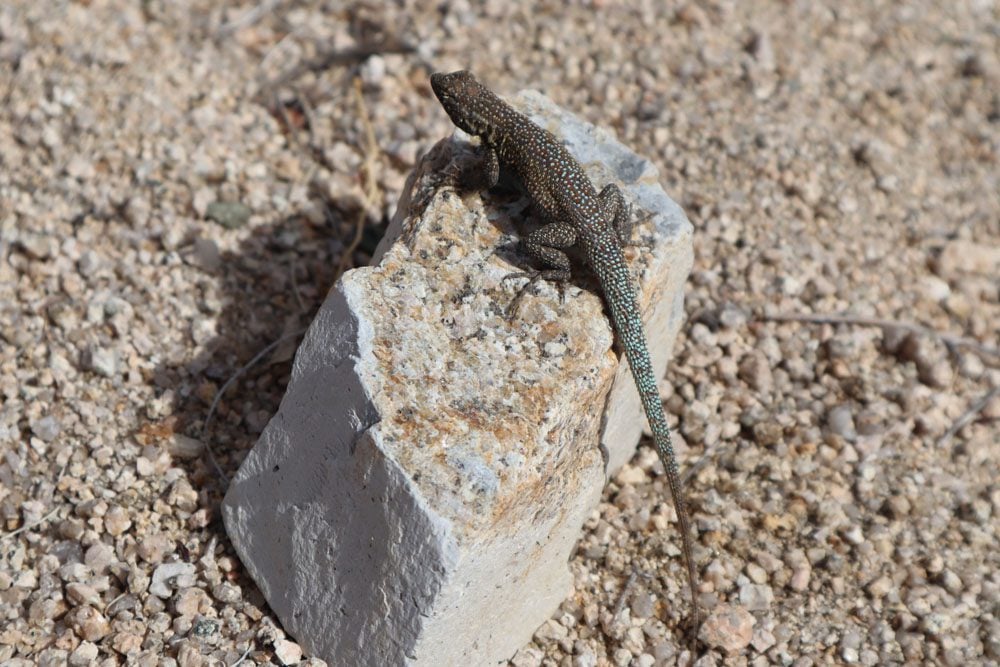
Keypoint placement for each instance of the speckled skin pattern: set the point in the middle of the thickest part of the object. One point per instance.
(599, 223)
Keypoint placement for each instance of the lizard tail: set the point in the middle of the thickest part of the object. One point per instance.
(624, 307)
(639, 359)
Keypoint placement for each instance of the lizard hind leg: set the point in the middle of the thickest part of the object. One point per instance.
(617, 211)
(545, 244)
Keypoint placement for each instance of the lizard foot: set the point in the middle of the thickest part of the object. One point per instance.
(557, 276)
(643, 242)
(452, 178)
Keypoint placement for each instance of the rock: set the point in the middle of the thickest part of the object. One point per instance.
(840, 420)
(89, 623)
(189, 655)
(103, 361)
(951, 582)
(226, 593)
(206, 254)
(933, 288)
(46, 428)
(163, 575)
(728, 628)
(756, 597)
(960, 256)
(230, 215)
(153, 548)
(117, 521)
(897, 507)
(933, 368)
(527, 657)
(937, 374)
(184, 447)
(189, 601)
(420, 490)
(643, 605)
(82, 594)
(755, 371)
(143, 466)
(84, 654)
(126, 643)
(99, 557)
(763, 639)
(991, 641)
(138, 581)
(879, 587)
(850, 643)
(287, 653)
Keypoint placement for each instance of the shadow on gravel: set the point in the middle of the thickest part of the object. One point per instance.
(269, 288)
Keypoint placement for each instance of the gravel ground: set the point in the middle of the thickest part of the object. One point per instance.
(180, 184)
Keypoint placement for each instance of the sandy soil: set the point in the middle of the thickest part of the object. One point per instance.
(180, 184)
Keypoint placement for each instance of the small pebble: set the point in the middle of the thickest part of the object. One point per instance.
(99, 557)
(643, 605)
(80, 594)
(163, 575)
(879, 588)
(756, 597)
(287, 652)
(841, 422)
(756, 372)
(47, 428)
(185, 448)
(727, 628)
(90, 623)
(104, 361)
(527, 657)
(206, 255)
(126, 643)
(800, 578)
(189, 601)
(763, 639)
(154, 548)
(231, 215)
(189, 655)
(84, 654)
(951, 582)
(116, 521)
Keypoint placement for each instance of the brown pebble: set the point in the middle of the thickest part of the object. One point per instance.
(89, 623)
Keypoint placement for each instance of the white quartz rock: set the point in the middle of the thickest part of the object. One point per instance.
(418, 494)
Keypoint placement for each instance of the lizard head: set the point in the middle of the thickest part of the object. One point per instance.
(466, 101)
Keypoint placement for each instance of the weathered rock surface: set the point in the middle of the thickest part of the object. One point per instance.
(417, 495)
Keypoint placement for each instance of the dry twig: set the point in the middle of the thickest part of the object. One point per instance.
(244, 656)
(248, 18)
(966, 417)
(218, 396)
(371, 182)
(29, 526)
(626, 589)
(329, 57)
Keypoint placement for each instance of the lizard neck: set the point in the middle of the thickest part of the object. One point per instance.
(496, 137)
(501, 128)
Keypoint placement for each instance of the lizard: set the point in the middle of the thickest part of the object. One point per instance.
(576, 215)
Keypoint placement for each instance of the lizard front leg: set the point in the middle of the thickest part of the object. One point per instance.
(545, 244)
(485, 174)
